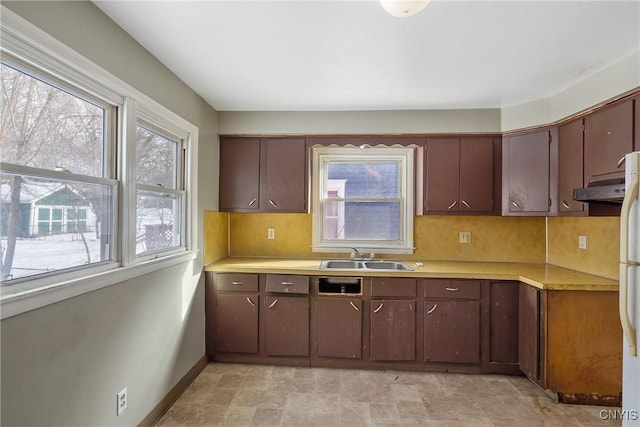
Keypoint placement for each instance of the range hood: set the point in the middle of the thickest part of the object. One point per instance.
(611, 190)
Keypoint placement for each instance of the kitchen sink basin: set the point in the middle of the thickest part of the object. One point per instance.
(363, 265)
(387, 265)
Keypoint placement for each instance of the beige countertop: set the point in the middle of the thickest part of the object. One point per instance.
(543, 276)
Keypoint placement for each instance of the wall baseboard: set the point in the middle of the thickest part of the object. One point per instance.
(163, 406)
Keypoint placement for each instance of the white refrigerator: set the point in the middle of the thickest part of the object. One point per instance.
(630, 292)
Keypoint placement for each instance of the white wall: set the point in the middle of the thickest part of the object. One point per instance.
(63, 364)
(358, 122)
(611, 81)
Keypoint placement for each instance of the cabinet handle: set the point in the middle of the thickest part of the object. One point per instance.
(452, 205)
(566, 205)
(464, 202)
(379, 308)
(355, 307)
(251, 302)
(237, 283)
(286, 283)
(410, 306)
(273, 303)
(621, 161)
(515, 205)
(432, 309)
(253, 201)
(452, 289)
(273, 203)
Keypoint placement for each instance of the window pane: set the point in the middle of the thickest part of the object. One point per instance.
(156, 157)
(42, 243)
(365, 180)
(158, 222)
(46, 127)
(362, 220)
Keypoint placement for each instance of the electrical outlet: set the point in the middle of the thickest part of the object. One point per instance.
(271, 233)
(122, 401)
(582, 242)
(465, 237)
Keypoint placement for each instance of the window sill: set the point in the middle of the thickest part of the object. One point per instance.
(12, 304)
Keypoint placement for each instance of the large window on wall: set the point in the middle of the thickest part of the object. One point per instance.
(159, 190)
(97, 180)
(363, 198)
(57, 186)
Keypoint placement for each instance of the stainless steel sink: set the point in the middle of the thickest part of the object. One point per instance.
(363, 265)
(339, 264)
(387, 265)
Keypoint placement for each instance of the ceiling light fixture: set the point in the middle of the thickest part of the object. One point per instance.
(403, 8)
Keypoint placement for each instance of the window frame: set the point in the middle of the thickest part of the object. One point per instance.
(404, 156)
(50, 60)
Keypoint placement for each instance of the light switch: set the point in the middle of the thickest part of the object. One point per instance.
(465, 237)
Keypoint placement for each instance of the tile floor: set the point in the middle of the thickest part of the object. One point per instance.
(254, 395)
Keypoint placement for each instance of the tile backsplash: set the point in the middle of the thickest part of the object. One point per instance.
(435, 237)
(493, 239)
(603, 244)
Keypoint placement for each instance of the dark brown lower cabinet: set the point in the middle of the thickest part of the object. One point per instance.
(286, 325)
(339, 327)
(529, 331)
(452, 331)
(237, 323)
(503, 322)
(393, 329)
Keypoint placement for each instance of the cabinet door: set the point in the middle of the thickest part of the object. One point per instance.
(529, 331)
(442, 175)
(608, 137)
(476, 175)
(237, 323)
(452, 331)
(239, 173)
(503, 336)
(570, 166)
(393, 330)
(339, 326)
(286, 326)
(527, 173)
(283, 180)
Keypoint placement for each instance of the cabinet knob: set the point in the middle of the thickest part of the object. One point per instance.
(253, 201)
(452, 205)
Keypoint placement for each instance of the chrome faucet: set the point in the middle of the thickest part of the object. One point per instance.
(357, 253)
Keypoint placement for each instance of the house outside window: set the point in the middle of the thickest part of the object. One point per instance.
(363, 198)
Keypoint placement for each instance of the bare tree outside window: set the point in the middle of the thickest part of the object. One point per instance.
(45, 128)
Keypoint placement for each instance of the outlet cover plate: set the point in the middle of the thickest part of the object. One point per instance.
(465, 237)
(122, 401)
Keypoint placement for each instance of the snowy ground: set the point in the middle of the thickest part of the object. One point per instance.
(42, 254)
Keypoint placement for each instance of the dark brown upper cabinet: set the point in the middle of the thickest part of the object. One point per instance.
(459, 175)
(263, 175)
(608, 137)
(570, 167)
(530, 173)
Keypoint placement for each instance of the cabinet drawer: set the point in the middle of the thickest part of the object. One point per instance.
(235, 282)
(289, 284)
(453, 289)
(393, 287)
